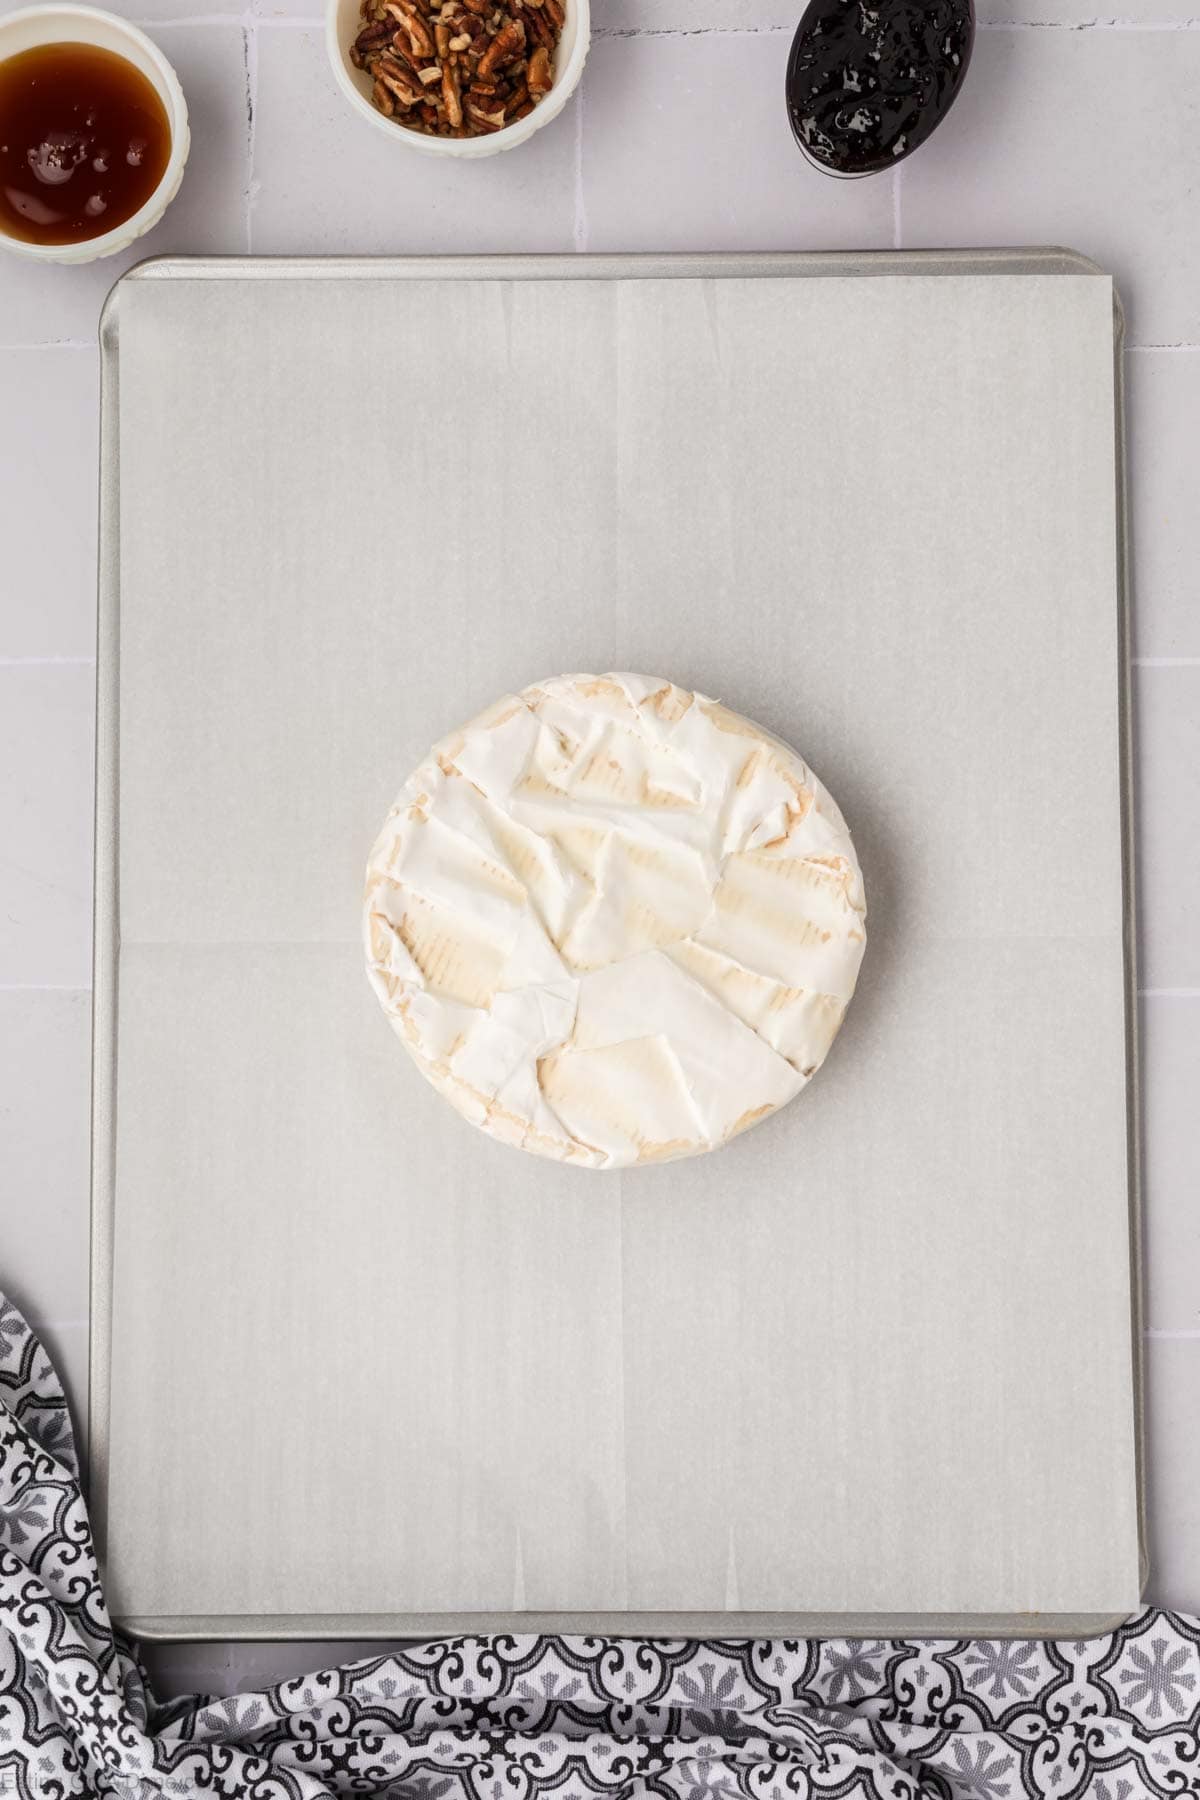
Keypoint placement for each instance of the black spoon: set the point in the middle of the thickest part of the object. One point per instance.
(869, 80)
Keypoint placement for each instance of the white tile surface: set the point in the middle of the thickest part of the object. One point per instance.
(388, 197)
(152, 13)
(46, 828)
(1086, 14)
(1168, 749)
(1083, 138)
(48, 500)
(696, 15)
(45, 1090)
(766, 15)
(273, 11)
(1171, 1084)
(1173, 1457)
(1164, 423)
(42, 303)
(784, 15)
(669, 164)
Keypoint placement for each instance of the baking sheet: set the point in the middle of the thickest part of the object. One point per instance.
(357, 1369)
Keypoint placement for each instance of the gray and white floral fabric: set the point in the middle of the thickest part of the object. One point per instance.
(520, 1717)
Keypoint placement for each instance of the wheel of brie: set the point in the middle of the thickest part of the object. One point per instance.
(614, 922)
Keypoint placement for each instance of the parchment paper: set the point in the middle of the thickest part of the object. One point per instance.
(874, 1358)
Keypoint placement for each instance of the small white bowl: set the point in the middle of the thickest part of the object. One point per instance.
(342, 26)
(34, 26)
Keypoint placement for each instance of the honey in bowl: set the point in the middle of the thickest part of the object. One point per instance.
(84, 141)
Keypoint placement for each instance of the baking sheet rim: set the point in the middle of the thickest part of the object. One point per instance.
(800, 264)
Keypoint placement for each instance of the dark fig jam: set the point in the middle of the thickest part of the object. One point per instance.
(867, 84)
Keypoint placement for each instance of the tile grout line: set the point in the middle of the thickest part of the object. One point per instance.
(1123, 26)
(190, 20)
(690, 31)
(47, 662)
(41, 987)
(250, 54)
(69, 987)
(580, 240)
(1149, 25)
(580, 232)
(245, 20)
(34, 344)
(310, 21)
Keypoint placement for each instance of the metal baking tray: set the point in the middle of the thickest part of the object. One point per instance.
(159, 1330)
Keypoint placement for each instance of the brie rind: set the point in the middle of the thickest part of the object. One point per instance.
(613, 921)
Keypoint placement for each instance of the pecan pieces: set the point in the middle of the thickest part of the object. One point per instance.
(458, 68)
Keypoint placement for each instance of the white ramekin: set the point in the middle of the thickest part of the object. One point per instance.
(33, 26)
(342, 25)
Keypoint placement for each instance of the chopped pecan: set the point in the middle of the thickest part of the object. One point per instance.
(411, 22)
(542, 30)
(422, 43)
(457, 68)
(450, 94)
(406, 90)
(540, 75)
(399, 73)
(504, 46)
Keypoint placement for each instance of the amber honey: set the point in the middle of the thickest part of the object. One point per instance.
(84, 140)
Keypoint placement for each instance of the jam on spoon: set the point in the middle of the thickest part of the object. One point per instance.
(869, 80)
(84, 141)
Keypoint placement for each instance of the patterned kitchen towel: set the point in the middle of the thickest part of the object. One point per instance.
(511, 1718)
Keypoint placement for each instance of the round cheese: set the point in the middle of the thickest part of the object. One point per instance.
(614, 922)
